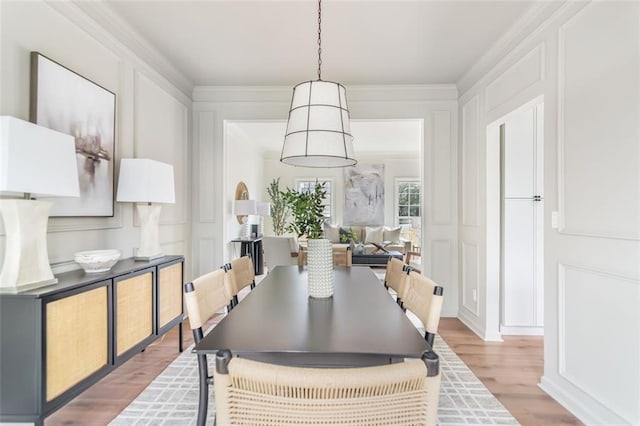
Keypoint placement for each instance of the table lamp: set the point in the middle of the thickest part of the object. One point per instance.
(264, 209)
(244, 208)
(33, 160)
(143, 181)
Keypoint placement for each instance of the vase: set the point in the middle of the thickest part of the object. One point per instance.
(320, 268)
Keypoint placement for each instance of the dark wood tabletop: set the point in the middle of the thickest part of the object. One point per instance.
(279, 322)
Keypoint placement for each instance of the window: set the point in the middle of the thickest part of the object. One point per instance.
(407, 211)
(308, 185)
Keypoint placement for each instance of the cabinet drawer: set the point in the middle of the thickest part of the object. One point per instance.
(77, 338)
(169, 293)
(133, 297)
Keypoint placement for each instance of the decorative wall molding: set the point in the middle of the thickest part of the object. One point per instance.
(524, 73)
(426, 92)
(181, 171)
(471, 277)
(470, 162)
(527, 28)
(207, 249)
(442, 168)
(206, 154)
(607, 280)
(563, 227)
(98, 19)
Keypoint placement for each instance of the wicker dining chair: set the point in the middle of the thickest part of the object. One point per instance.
(424, 298)
(396, 277)
(241, 275)
(203, 297)
(255, 393)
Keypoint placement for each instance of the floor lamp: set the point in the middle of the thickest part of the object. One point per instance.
(33, 160)
(144, 182)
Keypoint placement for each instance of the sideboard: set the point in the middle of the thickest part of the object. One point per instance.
(56, 341)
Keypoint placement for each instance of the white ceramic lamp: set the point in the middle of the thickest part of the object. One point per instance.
(33, 160)
(245, 208)
(264, 209)
(144, 182)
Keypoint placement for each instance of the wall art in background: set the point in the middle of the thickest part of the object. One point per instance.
(364, 194)
(69, 103)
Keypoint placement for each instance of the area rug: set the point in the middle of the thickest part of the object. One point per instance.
(172, 398)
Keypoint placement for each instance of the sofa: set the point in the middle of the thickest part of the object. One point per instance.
(366, 238)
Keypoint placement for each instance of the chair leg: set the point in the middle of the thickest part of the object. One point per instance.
(429, 337)
(203, 403)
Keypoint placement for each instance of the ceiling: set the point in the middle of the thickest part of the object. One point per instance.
(249, 43)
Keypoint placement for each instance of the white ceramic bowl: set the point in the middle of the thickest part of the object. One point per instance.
(97, 260)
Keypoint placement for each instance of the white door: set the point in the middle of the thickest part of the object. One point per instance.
(522, 209)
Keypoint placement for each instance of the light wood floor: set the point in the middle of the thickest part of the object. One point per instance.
(511, 371)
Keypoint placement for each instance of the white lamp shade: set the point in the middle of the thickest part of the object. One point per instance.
(263, 208)
(37, 160)
(145, 181)
(318, 131)
(245, 207)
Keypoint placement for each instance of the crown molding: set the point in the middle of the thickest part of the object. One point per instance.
(418, 92)
(99, 20)
(528, 26)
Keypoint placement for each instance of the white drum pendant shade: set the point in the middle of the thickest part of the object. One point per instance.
(318, 131)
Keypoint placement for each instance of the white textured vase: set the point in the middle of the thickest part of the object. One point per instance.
(320, 266)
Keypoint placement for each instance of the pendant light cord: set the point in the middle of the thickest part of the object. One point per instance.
(319, 39)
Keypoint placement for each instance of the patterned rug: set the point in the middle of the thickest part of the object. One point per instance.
(172, 398)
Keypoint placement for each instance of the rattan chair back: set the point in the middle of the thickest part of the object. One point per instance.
(424, 298)
(242, 274)
(396, 277)
(205, 296)
(255, 393)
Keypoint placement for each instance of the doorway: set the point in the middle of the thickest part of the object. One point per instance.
(517, 139)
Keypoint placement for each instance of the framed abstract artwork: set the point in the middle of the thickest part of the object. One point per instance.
(69, 103)
(364, 194)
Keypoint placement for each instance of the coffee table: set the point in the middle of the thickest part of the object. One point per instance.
(376, 259)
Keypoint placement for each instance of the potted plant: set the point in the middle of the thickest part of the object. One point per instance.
(307, 212)
(279, 207)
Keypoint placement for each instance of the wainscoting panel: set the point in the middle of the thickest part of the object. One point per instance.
(527, 71)
(442, 168)
(161, 133)
(207, 249)
(597, 311)
(441, 265)
(470, 162)
(595, 182)
(470, 278)
(205, 158)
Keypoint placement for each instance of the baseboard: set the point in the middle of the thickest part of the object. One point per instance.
(521, 331)
(471, 323)
(589, 412)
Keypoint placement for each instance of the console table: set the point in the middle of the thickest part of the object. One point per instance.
(59, 340)
(252, 247)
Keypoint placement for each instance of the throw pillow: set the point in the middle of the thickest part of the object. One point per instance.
(332, 232)
(392, 234)
(347, 235)
(373, 235)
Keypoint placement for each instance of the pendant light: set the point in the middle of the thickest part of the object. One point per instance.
(318, 131)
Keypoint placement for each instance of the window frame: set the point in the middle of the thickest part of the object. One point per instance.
(331, 198)
(396, 198)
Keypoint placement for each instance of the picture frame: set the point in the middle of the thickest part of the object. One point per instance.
(64, 100)
(363, 195)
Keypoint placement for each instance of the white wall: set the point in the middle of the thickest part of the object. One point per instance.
(408, 167)
(436, 106)
(152, 119)
(585, 62)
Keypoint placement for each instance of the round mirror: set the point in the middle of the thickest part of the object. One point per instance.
(242, 193)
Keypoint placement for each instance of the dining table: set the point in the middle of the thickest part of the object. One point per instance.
(277, 322)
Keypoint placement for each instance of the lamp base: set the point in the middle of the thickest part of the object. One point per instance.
(26, 260)
(149, 232)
